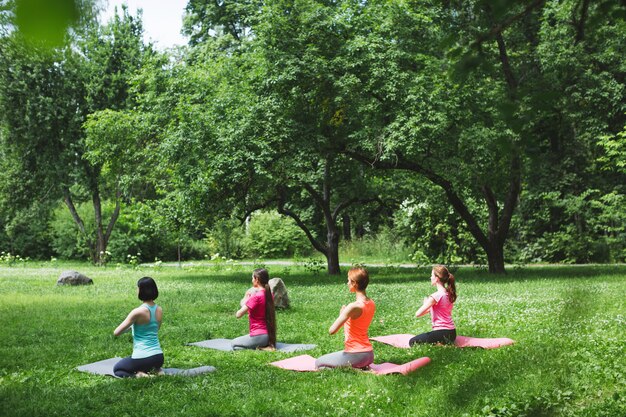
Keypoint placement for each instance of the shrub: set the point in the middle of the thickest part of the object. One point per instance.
(27, 232)
(226, 238)
(271, 235)
(384, 246)
(68, 242)
(137, 230)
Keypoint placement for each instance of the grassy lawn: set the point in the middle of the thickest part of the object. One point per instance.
(569, 359)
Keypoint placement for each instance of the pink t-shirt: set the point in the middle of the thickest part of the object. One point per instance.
(256, 313)
(441, 311)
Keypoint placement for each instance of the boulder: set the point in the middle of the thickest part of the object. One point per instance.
(73, 278)
(279, 290)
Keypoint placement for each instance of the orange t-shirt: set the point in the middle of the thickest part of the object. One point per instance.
(355, 330)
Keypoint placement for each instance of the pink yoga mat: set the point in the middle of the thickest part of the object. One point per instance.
(306, 363)
(301, 363)
(402, 341)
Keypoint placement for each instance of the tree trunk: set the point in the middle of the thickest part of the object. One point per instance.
(323, 201)
(347, 233)
(102, 235)
(100, 240)
(67, 198)
(332, 255)
(495, 258)
(179, 253)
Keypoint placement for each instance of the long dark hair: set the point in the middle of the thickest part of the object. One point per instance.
(447, 280)
(263, 276)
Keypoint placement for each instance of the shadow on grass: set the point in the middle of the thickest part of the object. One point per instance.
(386, 275)
(534, 359)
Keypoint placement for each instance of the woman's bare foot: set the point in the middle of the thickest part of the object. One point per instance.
(140, 374)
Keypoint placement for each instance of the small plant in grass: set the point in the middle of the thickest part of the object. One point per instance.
(519, 266)
(105, 257)
(390, 267)
(8, 259)
(133, 260)
(158, 264)
(314, 265)
(218, 262)
(258, 264)
(356, 264)
(420, 258)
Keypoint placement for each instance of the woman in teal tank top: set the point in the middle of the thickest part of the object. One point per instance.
(144, 321)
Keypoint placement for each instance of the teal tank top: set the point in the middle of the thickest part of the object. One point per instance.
(145, 336)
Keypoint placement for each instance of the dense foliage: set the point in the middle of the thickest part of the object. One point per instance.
(473, 132)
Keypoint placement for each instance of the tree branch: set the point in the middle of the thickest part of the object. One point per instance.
(515, 187)
(492, 207)
(500, 27)
(458, 205)
(326, 183)
(322, 202)
(256, 207)
(114, 216)
(347, 203)
(318, 246)
(506, 67)
(67, 198)
(580, 26)
(316, 196)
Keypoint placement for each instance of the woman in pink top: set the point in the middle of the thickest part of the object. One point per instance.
(258, 303)
(355, 318)
(440, 305)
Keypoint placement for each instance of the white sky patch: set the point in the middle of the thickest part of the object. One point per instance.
(162, 19)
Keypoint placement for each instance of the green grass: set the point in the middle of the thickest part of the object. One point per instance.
(569, 359)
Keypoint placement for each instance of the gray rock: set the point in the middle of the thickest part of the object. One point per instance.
(73, 278)
(279, 290)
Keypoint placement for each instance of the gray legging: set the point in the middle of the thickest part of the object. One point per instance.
(250, 342)
(353, 359)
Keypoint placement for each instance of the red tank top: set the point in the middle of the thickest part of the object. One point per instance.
(355, 330)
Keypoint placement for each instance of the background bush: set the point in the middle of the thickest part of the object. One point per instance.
(271, 235)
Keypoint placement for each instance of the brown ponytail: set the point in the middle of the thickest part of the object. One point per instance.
(447, 280)
(270, 311)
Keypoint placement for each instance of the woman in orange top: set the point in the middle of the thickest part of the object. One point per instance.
(355, 319)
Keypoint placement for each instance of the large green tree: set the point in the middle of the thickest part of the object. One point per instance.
(260, 127)
(463, 105)
(45, 98)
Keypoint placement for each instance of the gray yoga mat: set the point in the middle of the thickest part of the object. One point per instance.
(225, 345)
(105, 367)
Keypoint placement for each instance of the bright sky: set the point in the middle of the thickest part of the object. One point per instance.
(162, 19)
